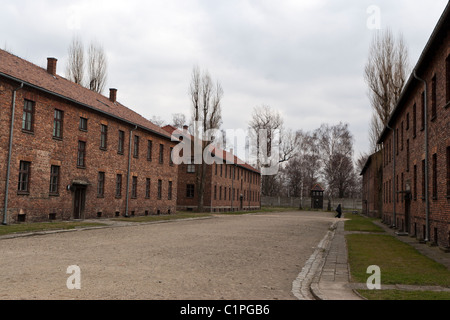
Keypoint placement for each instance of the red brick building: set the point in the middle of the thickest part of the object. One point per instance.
(416, 147)
(230, 186)
(372, 175)
(71, 153)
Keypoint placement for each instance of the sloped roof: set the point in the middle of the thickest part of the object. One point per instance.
(31, 75)
(317, 187)
(219, 153)
(441, 28)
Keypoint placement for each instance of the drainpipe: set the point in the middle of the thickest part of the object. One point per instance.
(427, 200)
(394, 189)
(8, 168)
(129, 171)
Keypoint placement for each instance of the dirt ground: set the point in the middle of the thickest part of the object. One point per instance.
(248, 257)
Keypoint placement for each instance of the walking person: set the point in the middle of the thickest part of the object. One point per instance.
(339, 211)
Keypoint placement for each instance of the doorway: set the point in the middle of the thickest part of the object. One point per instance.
(79, 202)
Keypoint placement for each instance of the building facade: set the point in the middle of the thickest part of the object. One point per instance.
(231, 184)
(67, 152)
(416, 147)
(372, 175)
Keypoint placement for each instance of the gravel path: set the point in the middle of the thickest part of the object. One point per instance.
(244, 257)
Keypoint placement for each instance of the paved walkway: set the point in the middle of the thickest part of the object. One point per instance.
(332, 277)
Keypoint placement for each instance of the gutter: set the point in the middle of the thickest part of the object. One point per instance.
(128, 172)
(8, 167)
(427, 200)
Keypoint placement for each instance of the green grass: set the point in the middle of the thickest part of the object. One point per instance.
(44, 226)
(177, 216)
(361, 223)
(399, 262)
(404, 295)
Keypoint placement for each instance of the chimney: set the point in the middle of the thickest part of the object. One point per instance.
(185, 128)
(51, 66)
(113, 95)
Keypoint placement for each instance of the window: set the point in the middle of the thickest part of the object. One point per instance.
(407, 155)
(434, 165)
(215, 192)
(433, 98)
(170, 157)
(83, 124)
(407, 121)
(191, 166)
(119, 186)
(147, 188)
(448, 172)
(54, 180)
(169, 197)
(24, 177)
(121, 142)
(423, 179)
(447, 71)
(423, 111)
(134, 187)
(28, 116)
(220, 193)
(136, 147)
(103, 137)
(58, 124)
(415, 183)
(101, 185)
(414, 120)
(81, 158)
(402, 137)
(161, 153)
(149, 150)
(159, 189)
(190, 191)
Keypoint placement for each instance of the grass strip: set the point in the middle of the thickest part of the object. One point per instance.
(361, 224)
(404, 295)
(44, 226)
(399, 262)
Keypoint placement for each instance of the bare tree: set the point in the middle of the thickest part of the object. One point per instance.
(385, 73)
(336, 147)
(75, 64)
(178, 120)
(157, 120)
(206, 97)
(268, 119)
(97, 67)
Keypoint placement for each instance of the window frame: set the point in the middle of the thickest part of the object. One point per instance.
(54, 180)
(81, 154)
(103, 137)
(101, 184)
(28, 116)
(24, 178)
(58, 123)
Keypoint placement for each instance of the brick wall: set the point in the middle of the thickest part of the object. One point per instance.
(412, 138)
(220, 188)
(42, 151)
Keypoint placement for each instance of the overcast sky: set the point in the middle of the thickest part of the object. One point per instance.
(304, 58)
